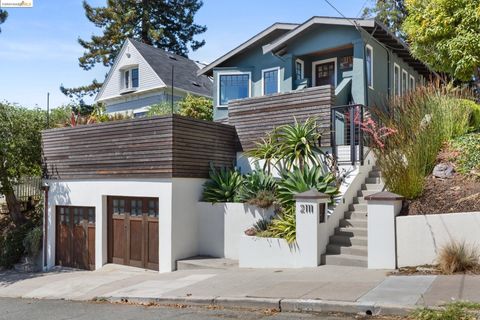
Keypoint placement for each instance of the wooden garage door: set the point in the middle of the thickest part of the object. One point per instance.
(75, 233)
(133, 231)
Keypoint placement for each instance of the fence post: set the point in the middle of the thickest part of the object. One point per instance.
(311, 215)
(382, 208)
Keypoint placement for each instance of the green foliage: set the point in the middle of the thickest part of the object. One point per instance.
(452, 311)
(301, 180)
(222, 186)
(262, 225)
(468, 161)
(11, 244)
(283, 226)
(162, 109)
(450, 29)
(474, 121)
(3, 17)
(391, 13)
(423, 121)
(257, 188)
(33, 241)
(265, 150)
(196, 107)
(60, 116)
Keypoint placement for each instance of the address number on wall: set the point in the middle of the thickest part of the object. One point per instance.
(306, 208)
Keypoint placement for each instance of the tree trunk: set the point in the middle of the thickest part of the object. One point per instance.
(14, 207)
(145, 22)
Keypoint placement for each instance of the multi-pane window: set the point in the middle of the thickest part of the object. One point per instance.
(411, 85)
(270, 81)
(299, 74)
(77, 215)
(233, 86)
(369, 62)
(404, 81)
(136, 207)
(118, 206)
(152, 208)
(134, 78)
(91, 215)
(396, 80)
(130, 78)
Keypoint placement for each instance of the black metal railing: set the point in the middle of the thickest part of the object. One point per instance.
(347, 136)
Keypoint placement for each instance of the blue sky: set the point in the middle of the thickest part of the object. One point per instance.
(39, 49)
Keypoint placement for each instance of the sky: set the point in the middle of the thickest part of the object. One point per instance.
(39, 49)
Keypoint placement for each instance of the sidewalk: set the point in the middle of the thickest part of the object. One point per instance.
(326, 288)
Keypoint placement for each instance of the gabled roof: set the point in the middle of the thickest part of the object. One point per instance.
(185, 70)
(247, 44)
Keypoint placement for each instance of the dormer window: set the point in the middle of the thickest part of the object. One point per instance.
(130, 78)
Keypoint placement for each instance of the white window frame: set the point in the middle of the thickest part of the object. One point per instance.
(263, 78)
(369, 47)
(303, 68)
(412, 82)
(404, 90)
(315, 63)
(397, 91)
(129, 69)
(229, 73)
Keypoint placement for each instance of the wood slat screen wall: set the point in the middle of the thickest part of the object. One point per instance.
(158, 147)
(254, 117)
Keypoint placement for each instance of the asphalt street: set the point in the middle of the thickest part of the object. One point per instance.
(24, 309)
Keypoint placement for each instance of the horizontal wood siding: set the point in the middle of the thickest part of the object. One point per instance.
(140, 148)
(254, 117)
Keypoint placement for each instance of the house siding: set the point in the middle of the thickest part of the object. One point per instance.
(129, 104)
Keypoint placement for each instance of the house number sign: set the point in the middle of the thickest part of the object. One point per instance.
(306, 208)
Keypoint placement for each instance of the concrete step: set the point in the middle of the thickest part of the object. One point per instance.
(356, 223)
(351, 231)
(348, 241)
(205, 262)
(345, 260)
(358, 207)
(372, 186)
(373, 180)
(376, 168)
(356, 214)
(364, 193)
(358, 200)
(351, 250)
(375, 174)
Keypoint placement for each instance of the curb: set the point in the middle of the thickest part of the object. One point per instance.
(282, 305)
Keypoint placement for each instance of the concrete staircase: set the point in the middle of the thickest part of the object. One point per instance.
(348, 245)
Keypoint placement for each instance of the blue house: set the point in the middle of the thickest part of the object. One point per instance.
(360, 58)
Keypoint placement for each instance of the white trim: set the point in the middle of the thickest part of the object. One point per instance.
(231, 72)
(404, 90)
(315, 63)
(303, 68)
(369, 47)
(397, 91)
(278, 78)
(246, 44)
(414, 84)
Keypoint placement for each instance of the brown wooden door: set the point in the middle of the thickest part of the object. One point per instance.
(133, 231)
(75, 245)
(325, 74)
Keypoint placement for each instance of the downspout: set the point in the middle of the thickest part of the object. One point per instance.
(45, 188)
(365, 79)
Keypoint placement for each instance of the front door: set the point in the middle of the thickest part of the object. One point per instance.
(325, 74)
(133, 231)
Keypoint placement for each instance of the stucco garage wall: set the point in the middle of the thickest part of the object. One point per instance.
(419, 238)
(93, 193)
(222, 225)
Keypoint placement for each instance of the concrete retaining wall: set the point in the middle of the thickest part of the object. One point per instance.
(420, 238)
(256, 252)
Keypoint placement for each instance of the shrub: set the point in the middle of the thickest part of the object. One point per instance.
(283, 226)
(258, 188)
(468, 161)
(266, 149)
(458, 257)
(33, 241)
(474, 121)
(11, 244)
(196, 107)
(162, 109)
(222, 186)
(453, 311)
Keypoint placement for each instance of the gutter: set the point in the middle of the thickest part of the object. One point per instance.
(46, 189)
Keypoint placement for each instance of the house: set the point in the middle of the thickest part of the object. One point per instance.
(359, 58)
(142, 76)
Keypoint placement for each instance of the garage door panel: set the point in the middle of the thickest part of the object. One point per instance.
(153, 243)
(118, 231)
(136, 239)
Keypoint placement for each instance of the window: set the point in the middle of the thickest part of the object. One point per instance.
(271, 81)
(233, 86)
(299, 73)
(411, 84)
(396, 79)
(153, 208)
(369, 62)
(404, 81)
(118, 206)
(136, 207)
(130, 78)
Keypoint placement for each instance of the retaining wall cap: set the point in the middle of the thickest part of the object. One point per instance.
(385, 195)
(311, 194)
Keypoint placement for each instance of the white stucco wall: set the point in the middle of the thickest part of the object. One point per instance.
(93, 193)
(222, 225)
(258, 252)
(420, 238)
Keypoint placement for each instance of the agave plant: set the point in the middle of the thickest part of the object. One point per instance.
(222, 186)
(303, 179)
(255, 182)
(299, 143)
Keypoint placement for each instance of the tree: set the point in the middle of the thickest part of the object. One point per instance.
(196, 107)
(3, 17)
(391, 13)
(20, 151)
(166, 24)
(445, 34)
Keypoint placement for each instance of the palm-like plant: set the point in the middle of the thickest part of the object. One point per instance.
(265, 150)
(298, 143)
(222, 186)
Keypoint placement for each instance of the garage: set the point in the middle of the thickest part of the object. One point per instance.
(133, 236)
(75, 235)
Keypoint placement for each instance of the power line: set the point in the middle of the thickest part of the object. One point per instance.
(361, 9)
(340, 13)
